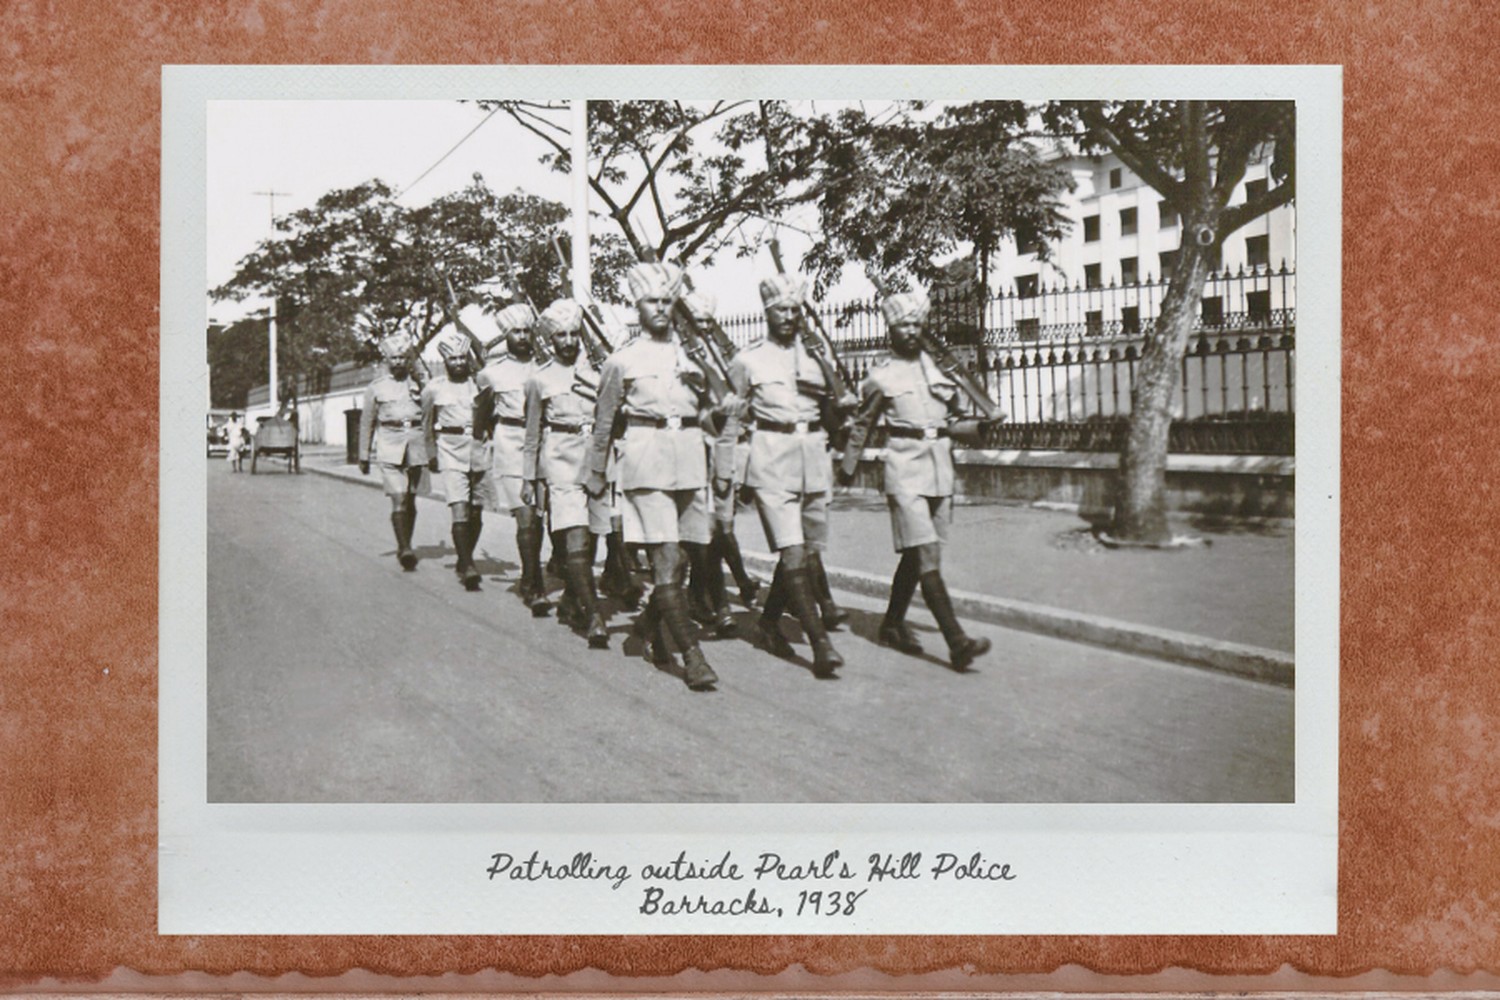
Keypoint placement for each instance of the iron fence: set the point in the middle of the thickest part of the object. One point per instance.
(1061, 362)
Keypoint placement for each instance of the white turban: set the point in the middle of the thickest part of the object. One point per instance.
(515, 318)
(783, 290)
(451, 343)
(905, 306)
(701, 305)
(653, 281)
(563, 314)
(397, 345)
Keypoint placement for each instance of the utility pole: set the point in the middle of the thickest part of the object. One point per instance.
(581, 272)
(275, 402)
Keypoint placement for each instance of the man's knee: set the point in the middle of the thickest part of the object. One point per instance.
(794, 556)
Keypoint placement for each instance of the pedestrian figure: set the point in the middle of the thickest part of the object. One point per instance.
(500, 417)
(234, 431)
(390, 435)
(785, 396)
(560, 399)
(919, 405)
(453, 450)
(657, 394)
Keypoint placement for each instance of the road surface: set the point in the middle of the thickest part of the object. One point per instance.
(335, 677)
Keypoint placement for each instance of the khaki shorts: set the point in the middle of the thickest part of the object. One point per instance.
(918, 520)
(572, 507)
(654, 516)
(505, 492)
(792, 518)
(463, 485)
(399, 480)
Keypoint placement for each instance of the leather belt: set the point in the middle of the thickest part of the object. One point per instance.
(400, 425)
(800, 427)
(667, 423)
(510, 421)
(569, 428)
(925, 433)
(455, 430)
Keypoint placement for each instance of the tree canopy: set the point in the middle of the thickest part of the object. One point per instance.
(358, 265)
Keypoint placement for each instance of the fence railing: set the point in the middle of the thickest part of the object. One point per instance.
(1061, 362)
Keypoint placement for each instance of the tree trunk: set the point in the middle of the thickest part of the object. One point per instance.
(1141, 501)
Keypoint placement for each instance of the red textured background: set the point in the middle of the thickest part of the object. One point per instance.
(1420, 763)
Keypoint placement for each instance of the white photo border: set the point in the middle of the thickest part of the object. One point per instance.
(1088, 869)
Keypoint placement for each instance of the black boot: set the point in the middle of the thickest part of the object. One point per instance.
(529, 549)
(833, 615)
(617, 580)
(709, 601)
(652, 631)
(799, 595)
(463, 541)
(696, 673)
(581, 584)
(962, 650)
(404, 554)
(768, 625)
(409, 512)
(894, 631)
(729, 552)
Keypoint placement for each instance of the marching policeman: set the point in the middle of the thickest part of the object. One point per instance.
(500, 417)
(919, 404)
(657, 394)
(560, 398)
(390, 433)
(453, 451)
(785, 393)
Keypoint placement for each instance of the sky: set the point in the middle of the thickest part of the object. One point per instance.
(307, 148)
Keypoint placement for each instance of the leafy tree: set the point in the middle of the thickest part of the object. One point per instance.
(696, 171)
(238, 356)
(897, 192)
(358, 265)
(1194, 154)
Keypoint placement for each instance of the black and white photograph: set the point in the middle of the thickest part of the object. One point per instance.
(651, 448)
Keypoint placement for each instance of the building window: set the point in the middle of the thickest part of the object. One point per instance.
(1091, 276)
(1168, 260)
(1212, 312)
(1254, 189)
(1258, 251)
(1029, 329)
(1026, 286)
(1127, 222)
(1169, 217)
(1130, 319)
(1129, 270)
(1258, 305)
(1093, 323)
(1027, 243)
(1114, 178)
(1091, 229)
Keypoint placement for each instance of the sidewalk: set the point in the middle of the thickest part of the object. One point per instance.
(1228, 606)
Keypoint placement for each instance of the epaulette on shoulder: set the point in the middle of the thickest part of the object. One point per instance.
(882, 362)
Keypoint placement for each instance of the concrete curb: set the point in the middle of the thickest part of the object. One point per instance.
(1255, 663)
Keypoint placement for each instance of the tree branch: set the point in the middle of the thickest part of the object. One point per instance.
(1272, 199)
(1134, 156)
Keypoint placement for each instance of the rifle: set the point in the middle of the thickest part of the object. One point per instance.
(696, 345)
(594, 339)
(476, 346)
(540, 349)
(950, 366)
(816, 339)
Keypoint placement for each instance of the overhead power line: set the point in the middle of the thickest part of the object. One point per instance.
(438, 162)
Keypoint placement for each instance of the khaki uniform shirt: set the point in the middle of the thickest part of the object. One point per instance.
(451, 404)
(918, 395)
(767, 377)
(506, 377)
(387, 401)
(650, 378)
(560, 394)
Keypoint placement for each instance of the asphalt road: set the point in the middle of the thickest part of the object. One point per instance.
(335, 677)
